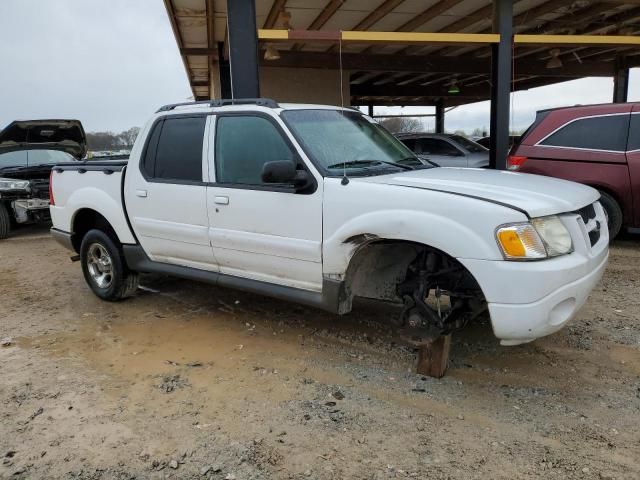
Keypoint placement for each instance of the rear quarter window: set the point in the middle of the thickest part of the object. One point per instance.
(592, 133)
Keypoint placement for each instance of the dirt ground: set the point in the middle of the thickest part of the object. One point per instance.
(190, 381)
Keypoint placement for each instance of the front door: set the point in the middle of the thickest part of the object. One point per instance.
(260, 231)
(167, 195)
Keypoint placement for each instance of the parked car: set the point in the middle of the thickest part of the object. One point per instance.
(447, 150)
(318, 205)
(486, 141)
(598, 145)
(28, 151)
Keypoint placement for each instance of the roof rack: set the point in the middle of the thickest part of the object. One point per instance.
(261, 102)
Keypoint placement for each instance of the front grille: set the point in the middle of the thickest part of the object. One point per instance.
(40, 188)
(588, 215)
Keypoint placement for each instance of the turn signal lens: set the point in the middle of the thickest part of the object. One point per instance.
(520, 241)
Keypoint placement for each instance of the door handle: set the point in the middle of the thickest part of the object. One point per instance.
(221, 200)
(141, 193)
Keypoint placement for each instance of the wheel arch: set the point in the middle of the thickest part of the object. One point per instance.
(379, 265)
(86, 219)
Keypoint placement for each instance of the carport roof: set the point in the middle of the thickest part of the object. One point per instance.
(396, 74)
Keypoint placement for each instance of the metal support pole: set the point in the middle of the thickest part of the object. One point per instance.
(620, 84)
(501, 59)
(370, 108)
(243, 48)
(224, 72)
(440, 117)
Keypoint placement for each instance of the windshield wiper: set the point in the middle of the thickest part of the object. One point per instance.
(354, 163)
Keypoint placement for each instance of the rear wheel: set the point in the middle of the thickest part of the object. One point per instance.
(614, 214)
(5, 221)
(104, 268)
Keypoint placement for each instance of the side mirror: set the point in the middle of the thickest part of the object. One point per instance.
(281, 171)
(284, 171)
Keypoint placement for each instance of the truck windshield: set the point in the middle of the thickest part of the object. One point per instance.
(343, 140)
(32, 158)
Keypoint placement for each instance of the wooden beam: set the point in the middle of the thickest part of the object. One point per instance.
(375, 37)
(594, 28)
(563, 40)
(523, 18)
(375, 16)
(418, 64)
(404, 38)
(274, 12)
(418, 37)
(422, 18)
(433, 357)
(325, 15)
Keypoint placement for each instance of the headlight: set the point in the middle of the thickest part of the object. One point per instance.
(554, 234)
(10, 184)
(542, 238)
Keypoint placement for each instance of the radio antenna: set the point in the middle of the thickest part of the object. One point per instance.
(345, 179)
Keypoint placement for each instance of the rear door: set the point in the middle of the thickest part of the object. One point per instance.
(261, 231)
(633, 159)
(167, 194)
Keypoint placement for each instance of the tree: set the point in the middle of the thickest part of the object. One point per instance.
(402, 124)
(130, 136)
(97, 141)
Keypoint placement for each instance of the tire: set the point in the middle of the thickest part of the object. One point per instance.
(5, 221)
(104, 268)
(614, 214)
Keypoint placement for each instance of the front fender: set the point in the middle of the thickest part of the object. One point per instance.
(444, 233)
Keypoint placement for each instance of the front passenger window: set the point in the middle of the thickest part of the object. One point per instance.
(243, 145)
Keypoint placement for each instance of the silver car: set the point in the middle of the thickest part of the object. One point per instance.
(447, 150)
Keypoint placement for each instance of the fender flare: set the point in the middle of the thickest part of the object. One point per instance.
(443, 233)
(97, 200)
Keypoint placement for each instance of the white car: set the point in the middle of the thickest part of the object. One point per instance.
(446, 149)
(318, 205)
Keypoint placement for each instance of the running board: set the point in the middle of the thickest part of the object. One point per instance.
(328, 300)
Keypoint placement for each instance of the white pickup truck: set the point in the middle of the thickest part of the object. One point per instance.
(318, 205)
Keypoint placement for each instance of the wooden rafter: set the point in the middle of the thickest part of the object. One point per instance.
(374, 17)
(325, 15)
(423, 17)
(274, 12)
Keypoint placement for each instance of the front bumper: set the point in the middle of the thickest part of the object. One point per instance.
(521, 323)
(528, 300)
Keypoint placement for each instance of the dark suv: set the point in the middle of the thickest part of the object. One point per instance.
(598, 145)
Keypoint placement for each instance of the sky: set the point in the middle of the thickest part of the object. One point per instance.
(112, 63)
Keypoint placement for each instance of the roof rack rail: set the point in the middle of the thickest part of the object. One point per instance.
(261, 102)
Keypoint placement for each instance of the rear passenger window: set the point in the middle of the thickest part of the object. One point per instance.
(243, 145)
(634, 132)
(174, 151)
(594, 133)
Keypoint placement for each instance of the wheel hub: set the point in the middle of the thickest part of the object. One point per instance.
(100, 265)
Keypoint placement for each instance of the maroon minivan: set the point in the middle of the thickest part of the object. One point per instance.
(598, 145)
